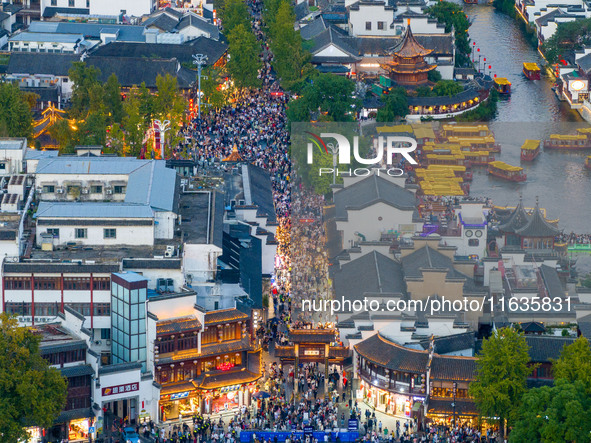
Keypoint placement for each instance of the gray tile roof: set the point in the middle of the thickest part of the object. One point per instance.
(441, 44)
(76, 371)
(301, 10)
(452, 343)
(92, 210)
(50, 11)
(51, 268)
(155, 185)
(517, 219)
(372, 190)
(542, 348)
(335, 37)
(429, 258)
(585, 63)
(552, 281)
(313, 28)
(132, 71)
(28, 36)
(453, 368)
(121, 367)
(261, 191)
(193, 20)
(537, 226)
(392, 356)
(140, 263)
(372, 273)
(585, 326)
(162, 21)
(213, 49)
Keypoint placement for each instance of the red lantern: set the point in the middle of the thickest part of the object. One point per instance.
(495, 75)
(477, 49)
(484, 58)
(489, 67)
(473, 43)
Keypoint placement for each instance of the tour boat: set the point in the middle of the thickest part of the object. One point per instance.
(566, 142)
(530, 150)
(506, 171)
(479, 158)
(588, 162)
(532, 71)
(503, 86)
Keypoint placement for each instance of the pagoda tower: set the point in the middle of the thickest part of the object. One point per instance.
(408, 65)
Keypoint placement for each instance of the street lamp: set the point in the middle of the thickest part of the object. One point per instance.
(199, 60)
(163, 126)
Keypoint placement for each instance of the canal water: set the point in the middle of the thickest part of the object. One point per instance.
(532, 112)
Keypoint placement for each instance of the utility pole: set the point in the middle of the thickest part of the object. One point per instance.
(199, 60)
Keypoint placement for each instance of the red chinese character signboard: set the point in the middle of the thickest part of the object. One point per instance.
(225, 366)
(121, 389)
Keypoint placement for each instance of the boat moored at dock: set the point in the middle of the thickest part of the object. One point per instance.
(503, 86)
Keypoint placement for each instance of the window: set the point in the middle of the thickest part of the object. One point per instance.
(96, 189)
(119, 189)
(49, 189)
(110, 233)
(105, 334)
(54, 231)
(381, 25)
(53, 2)
(71, 3)
(2, 165)
(81, 233)
(473, 242)
(368, 26)
(88, 3)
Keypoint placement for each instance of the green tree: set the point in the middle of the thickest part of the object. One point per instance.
(210, 87)
(505, 6)
(454, 17)
(567, 37)
(15, 114)
(134, 122)
(244, 63)
(169, 104)
(396, 106)
(553, 415)
(332, 95)
(64, 135)
(31, 393)
(112, 99)
(434, 76)
(147, 106)
(447, 87)
(84, 78)
(234, 13)
(115, 143)
(290, 59)
(575, 363)
(501, 374)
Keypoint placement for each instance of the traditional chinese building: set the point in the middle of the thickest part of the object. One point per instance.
(408, 65)
(528, 230)
(205, 363)
(313, 346)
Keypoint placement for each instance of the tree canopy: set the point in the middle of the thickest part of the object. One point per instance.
(553, 414)
(244, 63)
(16, 118)
(328, 97)
(569, 36)
(290, 60)
(396, 106)
(454, 17)
(501, 374)
(440, 89)
(31, 393)
(234, 13)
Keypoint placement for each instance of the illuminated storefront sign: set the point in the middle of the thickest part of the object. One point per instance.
(121, 389)
(179, 395)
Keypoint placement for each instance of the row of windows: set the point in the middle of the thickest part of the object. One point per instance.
(66, 357)
(126, 340)
(188, 370)
(448, 392)
(381, 26)
(128, 312)
(82, 233)
(77, 382)
(52, 309)
(55, 283)
(126, 326)
(121, 354)
(71, 3)
(233, 331)
(166, 346)
(77, 403)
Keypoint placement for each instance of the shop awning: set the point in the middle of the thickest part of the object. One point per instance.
(207, 381)
(74, 414)
(177, 387)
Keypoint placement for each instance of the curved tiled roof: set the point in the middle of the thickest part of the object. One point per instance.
(410, 47)
(388, 354)
(538, 226)
(517, 220)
